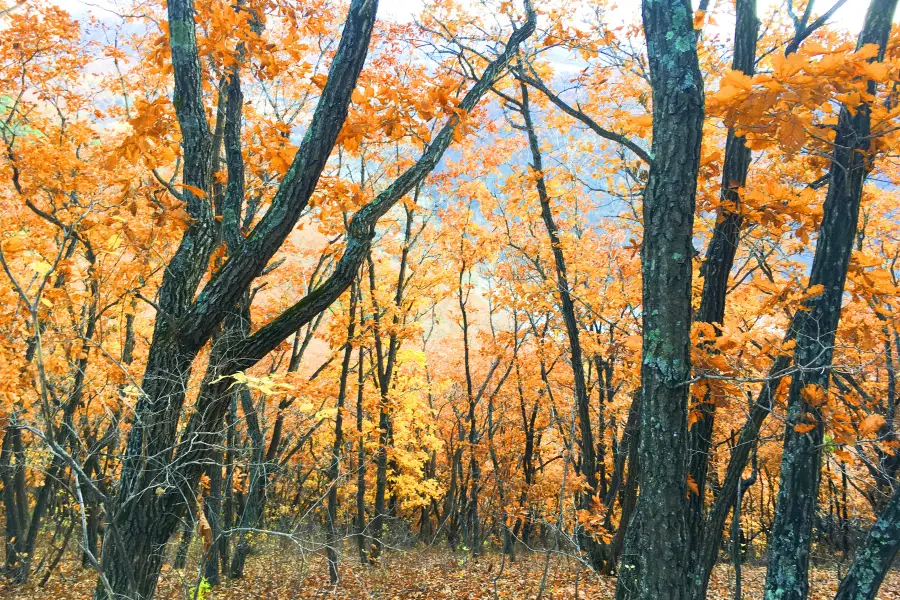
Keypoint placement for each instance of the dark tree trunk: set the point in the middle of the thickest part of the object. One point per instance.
(719, 259)
(874, 558)
(628, 498)
(788, 565)
(252, 513)
(212, 507)
(655, 562)
(361, 524)
(187, 535)
(15, 526)
(334, 467)
(587, 456)
(386, 360)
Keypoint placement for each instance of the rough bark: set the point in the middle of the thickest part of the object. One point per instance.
(874, 558)
(788, 561)
(654, 565)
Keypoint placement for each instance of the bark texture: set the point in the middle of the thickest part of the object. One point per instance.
(816, 327)
(654, 563)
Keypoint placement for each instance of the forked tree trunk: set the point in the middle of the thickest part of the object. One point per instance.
(164, 456)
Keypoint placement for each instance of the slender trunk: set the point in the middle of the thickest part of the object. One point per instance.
(212, 508)
(587, 458)
(628, 499)
(334, 468)
(361, 524)
(716, 269)
(736, 543)
(15, 538)
(184, 545)
(256, 493)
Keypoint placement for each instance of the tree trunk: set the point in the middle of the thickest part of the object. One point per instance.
(874, 558)
(361, 524)
(719, 260)
(788, 565)
(334, 467)
(655, 563)
(212, 507)
(587, 458)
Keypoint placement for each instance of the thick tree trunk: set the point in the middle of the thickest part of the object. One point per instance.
(655, 562)
(788, 565)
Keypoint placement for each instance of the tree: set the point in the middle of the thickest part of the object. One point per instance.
(653, 565)
(156, 454)
(815, 328)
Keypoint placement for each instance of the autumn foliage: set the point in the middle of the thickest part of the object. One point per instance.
(381, 300)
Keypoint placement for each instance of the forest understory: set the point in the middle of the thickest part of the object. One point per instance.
(280, 571)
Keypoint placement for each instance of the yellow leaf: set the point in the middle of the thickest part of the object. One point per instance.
(698, 18)
(114, 241)
(692, 485)
(194, 190)
(41, 267)
(693, 417)
(13, 245)
(792, 134)
(815, 290)
(813, 394)
(643, 120)
(633, 342)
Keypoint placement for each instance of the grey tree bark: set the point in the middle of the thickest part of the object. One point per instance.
(654, 564)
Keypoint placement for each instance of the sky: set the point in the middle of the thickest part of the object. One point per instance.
(849, 16)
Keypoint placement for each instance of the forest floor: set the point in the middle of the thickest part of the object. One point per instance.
(417, 575)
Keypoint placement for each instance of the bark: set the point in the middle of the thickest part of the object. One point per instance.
(721, 251)
(361, 465)
(715, 270)
(628, 499)
(874, 558)
(160, 469)
(15, 526)
(654, 565)
(788, 564)
(256, 492)
(212, 507)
